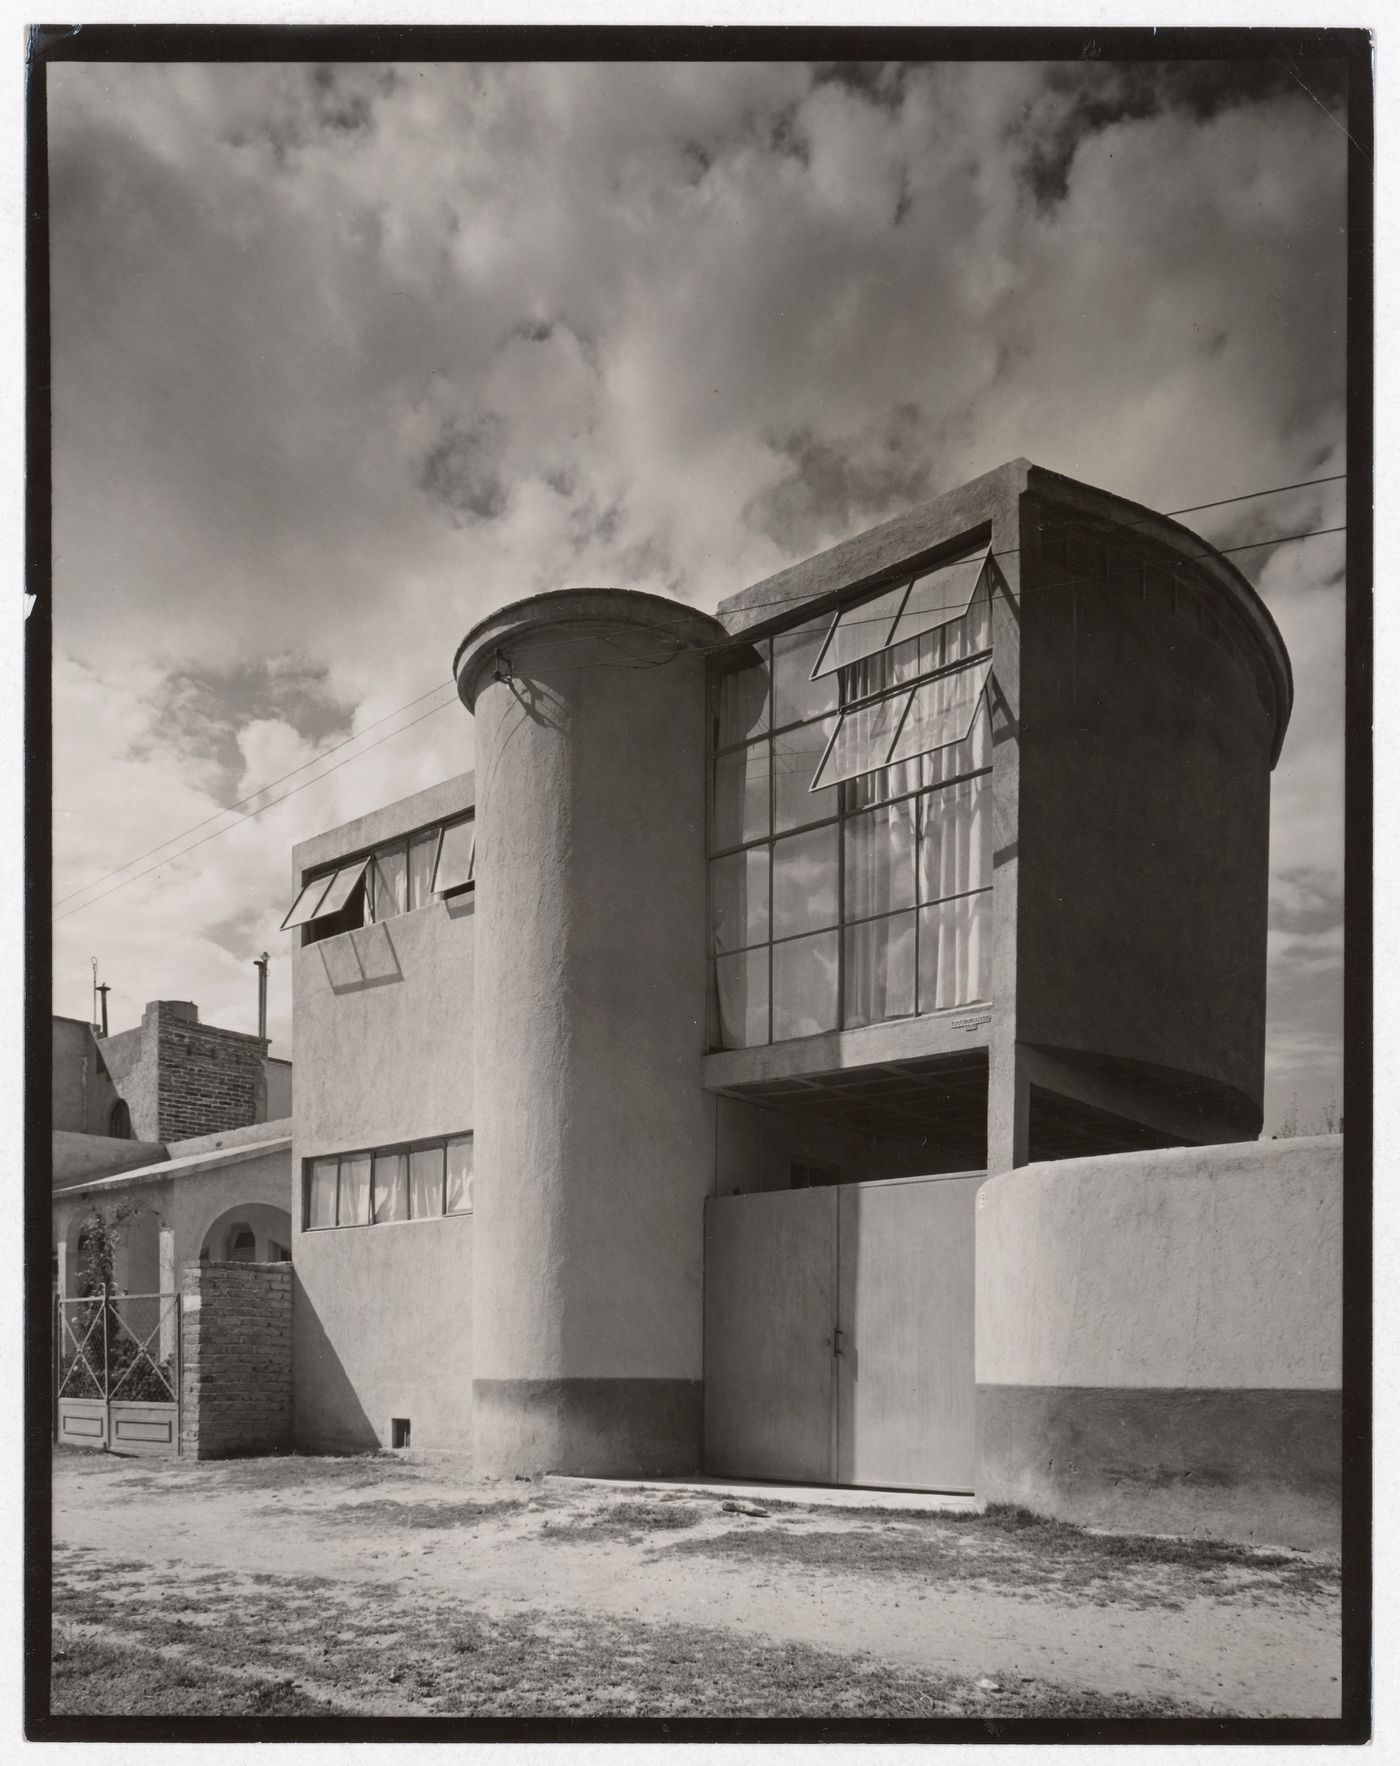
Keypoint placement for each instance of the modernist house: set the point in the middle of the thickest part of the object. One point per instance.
(825, 1041)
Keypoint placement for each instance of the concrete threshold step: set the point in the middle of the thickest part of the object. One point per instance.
(751, 1490)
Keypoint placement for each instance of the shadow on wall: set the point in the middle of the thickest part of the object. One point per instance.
(363, 958)
(327, 1416)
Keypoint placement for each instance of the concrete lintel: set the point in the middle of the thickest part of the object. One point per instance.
(866, 557)
(438, 803)
(904, 1039)
(1100, 1094)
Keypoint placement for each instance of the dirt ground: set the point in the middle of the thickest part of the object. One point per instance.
(392, 1584)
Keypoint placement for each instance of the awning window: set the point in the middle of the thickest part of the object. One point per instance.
(456, 866)
(937, 598)
(325, 895)
(859, 631)
(901, 726)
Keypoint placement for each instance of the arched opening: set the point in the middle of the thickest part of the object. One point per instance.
(250, 1232)
(119, 1121)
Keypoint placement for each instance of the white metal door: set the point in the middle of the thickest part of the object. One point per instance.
(905, 1372)
(770, 1316)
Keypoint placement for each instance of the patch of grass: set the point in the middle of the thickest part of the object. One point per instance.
(438, 1658)
(624, 1520)
(1019, 1551)
(377, 1515)
(313, 1470)
(93, 1677)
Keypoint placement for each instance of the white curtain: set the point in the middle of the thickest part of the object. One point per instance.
(955, 952)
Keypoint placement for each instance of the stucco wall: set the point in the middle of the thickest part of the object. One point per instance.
(278, 1086)
(1144, 824)
(77, 1156)
(383, 1038)
(82, 1090)
(382, 1328)
(1159, 1339)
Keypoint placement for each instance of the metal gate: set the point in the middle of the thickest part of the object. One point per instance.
(117, 1372)
(839, 1334)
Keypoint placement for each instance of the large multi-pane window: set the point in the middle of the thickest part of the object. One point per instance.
(850, 813)
(422, 1181)
(394, 879)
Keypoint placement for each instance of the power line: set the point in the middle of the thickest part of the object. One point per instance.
(681, 647)
(228, 809)
(305, 786)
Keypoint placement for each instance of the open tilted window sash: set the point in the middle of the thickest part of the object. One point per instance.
(932, 715)
(456, 865)
(935, 598)
(325, 895)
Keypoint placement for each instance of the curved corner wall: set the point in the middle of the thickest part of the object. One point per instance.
(1159, 1340)
(1155, 695)
(594, 1141)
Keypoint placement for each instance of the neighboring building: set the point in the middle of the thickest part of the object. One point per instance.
(179, 1077)
(209, 1175)
(649, 1084)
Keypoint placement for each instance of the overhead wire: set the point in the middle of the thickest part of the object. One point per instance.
(229, 808)
(304, 786)
(681, 648)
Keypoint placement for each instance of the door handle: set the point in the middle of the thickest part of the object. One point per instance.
(839, 1342)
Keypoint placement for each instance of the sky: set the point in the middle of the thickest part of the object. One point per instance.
(345, 357)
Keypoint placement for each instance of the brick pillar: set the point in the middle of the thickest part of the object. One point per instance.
(236, 1363)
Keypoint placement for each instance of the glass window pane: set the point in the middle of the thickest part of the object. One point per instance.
(320, 1193)
(941, 712)
(797, 754)
(425, 1182)
(308, 900)
(354, 1190)
(796, 696)
(804, 986)
(422, 858)
(860, 630)
(739, 812)
(973, 632)
(863, 739)
(454, 866)
(739, 899)
(955, 842)
(879, 981)
(939, 597)
(955, 952)
(739, 697)
(879, 860)
(805, 881)
(390, 1186)
(741, 983)
(459, 1174)
(343, 885)
(390, 873)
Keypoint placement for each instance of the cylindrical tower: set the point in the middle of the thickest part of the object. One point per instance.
(594, 1140)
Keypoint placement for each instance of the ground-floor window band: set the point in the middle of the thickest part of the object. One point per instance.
(423, 1180)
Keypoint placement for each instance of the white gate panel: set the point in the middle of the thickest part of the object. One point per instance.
(770, 1314)
(906, 1376)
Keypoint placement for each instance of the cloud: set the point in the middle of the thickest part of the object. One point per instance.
(344, 357)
